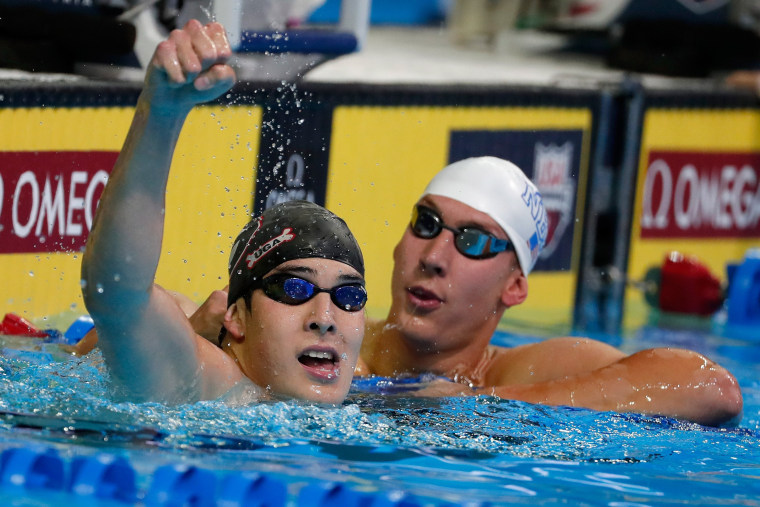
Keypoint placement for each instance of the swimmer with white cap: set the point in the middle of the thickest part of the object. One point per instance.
(473, 239)
(294, 320)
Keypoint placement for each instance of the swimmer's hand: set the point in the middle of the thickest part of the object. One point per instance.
(189, 68)
(208, 319)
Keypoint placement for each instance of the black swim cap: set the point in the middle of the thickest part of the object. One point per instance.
(287, 231)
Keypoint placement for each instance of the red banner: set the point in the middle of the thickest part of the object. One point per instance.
(48, 199)
(701, 195)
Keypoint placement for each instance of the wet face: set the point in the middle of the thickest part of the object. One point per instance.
(443, 300)
(306, 351)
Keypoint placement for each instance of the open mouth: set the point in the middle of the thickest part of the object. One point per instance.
(423, 298)
(320, 359)
(423, 294)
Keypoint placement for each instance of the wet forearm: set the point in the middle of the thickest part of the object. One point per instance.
(668, 382)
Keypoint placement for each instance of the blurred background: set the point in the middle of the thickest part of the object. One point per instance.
(692, 38)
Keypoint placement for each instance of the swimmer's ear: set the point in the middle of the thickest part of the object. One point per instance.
(515, 289)
(234, 321)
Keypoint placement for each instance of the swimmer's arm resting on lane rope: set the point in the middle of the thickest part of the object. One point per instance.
(662, 381)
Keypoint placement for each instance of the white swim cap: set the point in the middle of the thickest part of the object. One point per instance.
(501, 190)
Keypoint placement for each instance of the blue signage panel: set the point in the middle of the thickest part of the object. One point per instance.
(293, 154)
(551, 158)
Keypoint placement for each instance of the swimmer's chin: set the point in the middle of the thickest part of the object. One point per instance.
(246, 392)
(314, 397)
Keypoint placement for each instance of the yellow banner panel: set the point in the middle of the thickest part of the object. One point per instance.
(697, 192)
(208, 200)
(381, 159)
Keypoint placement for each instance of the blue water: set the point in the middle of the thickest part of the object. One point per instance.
(478, 449)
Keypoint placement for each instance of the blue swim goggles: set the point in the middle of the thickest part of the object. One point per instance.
(292, 290)
(469, 241)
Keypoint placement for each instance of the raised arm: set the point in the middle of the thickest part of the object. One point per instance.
(146, 339)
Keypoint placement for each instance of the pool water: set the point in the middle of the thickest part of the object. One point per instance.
(440, 451)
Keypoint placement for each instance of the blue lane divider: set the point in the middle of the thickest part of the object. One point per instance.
(113, 478)
(30, 469)
(392, 499)
(329, 494)
(252, 490)
(298, 41)
(182, 485)
(103, 476)
(744, 290)
(78, 329)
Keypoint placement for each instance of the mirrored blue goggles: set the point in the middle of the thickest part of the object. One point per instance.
(292, 290)
(469, 241)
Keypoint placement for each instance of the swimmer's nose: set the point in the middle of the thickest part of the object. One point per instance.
(322, 327)
(322, 318)
(436, 252)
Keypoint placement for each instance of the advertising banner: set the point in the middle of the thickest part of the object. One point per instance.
(295, 141)
(701, 195)
(697, 192)
(54, 164)
(48, 199)
(381, 159)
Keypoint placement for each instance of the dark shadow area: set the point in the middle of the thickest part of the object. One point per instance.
(37, 39)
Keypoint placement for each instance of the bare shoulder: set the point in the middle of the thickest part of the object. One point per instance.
(372, 331)
(220, 372)
(549, 359)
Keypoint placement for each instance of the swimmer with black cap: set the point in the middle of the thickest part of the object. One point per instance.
(295, 318)
(279, 328)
